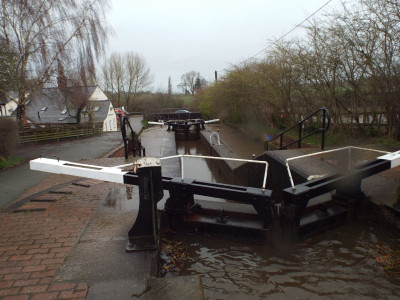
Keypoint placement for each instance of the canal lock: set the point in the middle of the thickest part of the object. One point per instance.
(340, 263)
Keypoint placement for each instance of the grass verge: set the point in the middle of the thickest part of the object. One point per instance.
(11, 162)
(332, 139)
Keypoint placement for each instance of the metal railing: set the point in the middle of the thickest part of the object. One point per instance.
(326, 122)
(216, 136)
(182, 157)
(325, 152)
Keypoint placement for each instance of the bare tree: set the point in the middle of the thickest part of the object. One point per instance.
(7, 65)
(125, 76)
(41, 33)
(191, 81)
(370, 36)
(138, 76)
(77, 95)
(114, 77)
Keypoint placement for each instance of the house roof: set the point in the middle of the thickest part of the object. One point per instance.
(52, 105)
(4, 99)
(102, 112)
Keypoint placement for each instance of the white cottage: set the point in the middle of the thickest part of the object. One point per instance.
(109, 118)
(7, 108)
(58, 106)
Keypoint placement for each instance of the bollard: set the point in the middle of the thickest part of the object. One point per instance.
(144, 233)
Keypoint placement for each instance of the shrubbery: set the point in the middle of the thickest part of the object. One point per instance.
(347, 61)
(8, 137)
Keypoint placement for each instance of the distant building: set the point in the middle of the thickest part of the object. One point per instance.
(7, 107)
(60, 106)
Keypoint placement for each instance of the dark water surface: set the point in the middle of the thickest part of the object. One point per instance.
(200, 169)
(338, 264)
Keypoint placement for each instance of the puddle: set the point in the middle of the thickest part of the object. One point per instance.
(123, 198)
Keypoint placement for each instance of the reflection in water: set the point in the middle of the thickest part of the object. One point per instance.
(123, 198)
(337, 264)
(195, 168)
(200, 169)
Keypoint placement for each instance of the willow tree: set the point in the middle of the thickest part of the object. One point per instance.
(42, 33)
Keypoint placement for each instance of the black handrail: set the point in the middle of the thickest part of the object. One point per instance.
(326, 122)
(124, 122)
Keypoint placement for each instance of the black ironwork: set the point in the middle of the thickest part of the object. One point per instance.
(144, 233)
(137, 148)
(172, 116)
(182, 192)
(294, 210)
(326, 121)
(184, 125)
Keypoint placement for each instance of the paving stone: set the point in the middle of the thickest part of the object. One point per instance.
(43, 200)
(81, 184)
(47, 197)
(45, 296)
(17, 297)
(33, 206)
(34, 289)
(61, 191)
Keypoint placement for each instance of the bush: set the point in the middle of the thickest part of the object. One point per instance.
(8, 137)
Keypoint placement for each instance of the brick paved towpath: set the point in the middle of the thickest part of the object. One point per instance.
(35, 242)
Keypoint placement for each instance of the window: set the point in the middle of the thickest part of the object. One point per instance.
(84, 109)
(62, 119)
(96, 108)
(64, 111)
(44, 108)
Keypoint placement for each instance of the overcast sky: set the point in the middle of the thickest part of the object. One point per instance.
(177, 36)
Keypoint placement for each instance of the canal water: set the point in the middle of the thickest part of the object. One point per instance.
(342, 263)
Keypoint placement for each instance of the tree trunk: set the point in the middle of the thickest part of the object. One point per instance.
(127, 103)
(78, 115)
(21, 118)
(395, 126)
